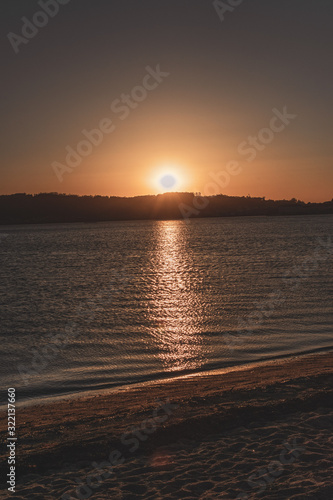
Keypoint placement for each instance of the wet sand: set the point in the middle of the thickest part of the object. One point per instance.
(261, 432)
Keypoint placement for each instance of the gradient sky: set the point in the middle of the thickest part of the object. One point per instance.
(225, 79)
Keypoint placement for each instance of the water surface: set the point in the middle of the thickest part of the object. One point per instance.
(94, 306)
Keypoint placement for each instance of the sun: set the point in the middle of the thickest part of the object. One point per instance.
(168, 181)
(167, 178)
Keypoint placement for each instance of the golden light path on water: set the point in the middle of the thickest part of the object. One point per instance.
(176, 309)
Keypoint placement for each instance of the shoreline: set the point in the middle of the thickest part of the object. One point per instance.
(46, 400)
(55, 437)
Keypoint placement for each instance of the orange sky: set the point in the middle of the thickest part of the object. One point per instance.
(220, 83)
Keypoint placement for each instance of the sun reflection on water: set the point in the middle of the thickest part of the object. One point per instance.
(175, 311)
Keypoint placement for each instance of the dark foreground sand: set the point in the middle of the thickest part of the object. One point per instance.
(264, 432)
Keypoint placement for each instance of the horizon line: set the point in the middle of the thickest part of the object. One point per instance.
(167, 193)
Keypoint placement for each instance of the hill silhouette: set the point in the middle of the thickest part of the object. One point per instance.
(22, 208)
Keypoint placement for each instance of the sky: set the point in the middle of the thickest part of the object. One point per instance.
(181, 95)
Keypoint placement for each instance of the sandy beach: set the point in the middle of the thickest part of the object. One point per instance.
(258, 432)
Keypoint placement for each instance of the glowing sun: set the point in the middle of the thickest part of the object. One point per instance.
(168, 181)
(167, 178)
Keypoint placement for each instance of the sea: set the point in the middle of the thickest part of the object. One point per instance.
(89, 308)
